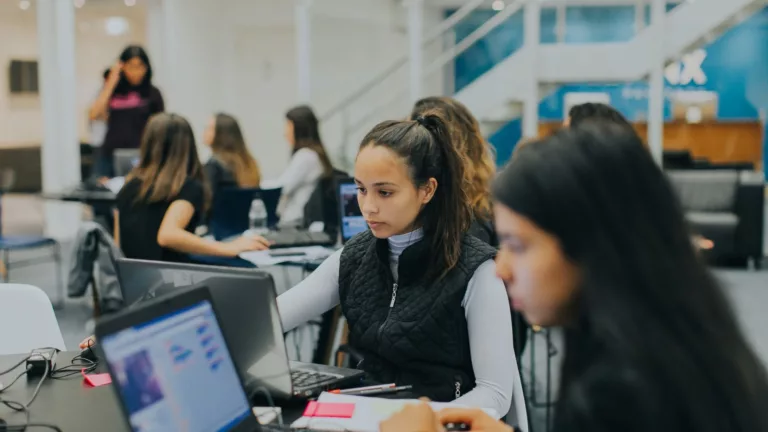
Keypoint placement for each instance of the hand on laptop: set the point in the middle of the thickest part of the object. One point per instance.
(247, 242)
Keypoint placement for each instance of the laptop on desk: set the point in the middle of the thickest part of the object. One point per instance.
(172, 369)
(246, 301)
(351, 221)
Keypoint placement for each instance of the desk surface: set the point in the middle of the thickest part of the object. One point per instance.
(82, 196)
(69, 403)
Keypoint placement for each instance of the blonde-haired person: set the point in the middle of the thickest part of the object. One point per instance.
(479, 169)
(165, 197)
(231, 164)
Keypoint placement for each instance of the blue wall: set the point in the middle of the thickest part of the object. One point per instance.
(736, 65)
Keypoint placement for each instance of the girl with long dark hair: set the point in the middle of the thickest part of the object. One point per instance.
(593, 240)
(231, 164)
(423, 304)
(309, 163)
(128, 99)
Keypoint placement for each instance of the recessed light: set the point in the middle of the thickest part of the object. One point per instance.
(498, 5)
(78, 3)
(130, 2)
(24, 4)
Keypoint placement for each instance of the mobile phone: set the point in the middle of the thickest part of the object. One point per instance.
(286, 253)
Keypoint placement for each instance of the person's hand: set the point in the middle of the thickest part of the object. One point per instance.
(114, 74)
(477, 420)
(247, 243)
(88, 342)
(413, 418)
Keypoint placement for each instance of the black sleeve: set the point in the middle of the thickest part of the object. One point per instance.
(192, 192)
(156, 102)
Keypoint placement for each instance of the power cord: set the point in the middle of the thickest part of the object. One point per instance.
(263, 390)
(24, 408)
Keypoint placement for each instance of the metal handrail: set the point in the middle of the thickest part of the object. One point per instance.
(473, 37)
(439, 30)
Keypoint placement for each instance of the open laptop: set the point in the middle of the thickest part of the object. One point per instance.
(246, 300)
(351, 221)
(172, 369)
(125, 160)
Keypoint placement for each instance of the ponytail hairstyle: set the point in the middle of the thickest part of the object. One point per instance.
(466, 135)
(425, 147)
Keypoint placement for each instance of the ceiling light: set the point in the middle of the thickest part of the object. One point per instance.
(130, 2)
(693, 114)
(78, 3)
(497, 5)
(116, 26)
(24, 4)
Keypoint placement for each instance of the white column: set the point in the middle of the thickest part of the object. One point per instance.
(303, 50)
(415, 47)
(560, 23)
(156, 42)
(60, 149)
(656, 81)
(639, 15)
(531, 39)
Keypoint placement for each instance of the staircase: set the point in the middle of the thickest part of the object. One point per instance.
(687, 27)
(494, 96)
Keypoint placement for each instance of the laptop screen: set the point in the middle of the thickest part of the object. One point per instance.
(352, 221)
(175, 373)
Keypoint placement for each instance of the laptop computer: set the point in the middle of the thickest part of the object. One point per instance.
(125, 160)
(246, 299)
(351, 221)
(172, 369)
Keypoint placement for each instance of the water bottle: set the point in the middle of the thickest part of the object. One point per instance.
(257, 217)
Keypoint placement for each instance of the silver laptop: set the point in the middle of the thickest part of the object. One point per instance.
(125, 160)
(246, 301)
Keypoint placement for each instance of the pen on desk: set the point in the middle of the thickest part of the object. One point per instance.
(359, 389)
(381, 391)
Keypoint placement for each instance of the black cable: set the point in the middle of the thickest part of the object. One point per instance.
(14, 428)
(14, 380)
(263, 390)
(9, 370)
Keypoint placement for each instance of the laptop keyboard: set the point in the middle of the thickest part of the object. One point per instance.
(309, 379)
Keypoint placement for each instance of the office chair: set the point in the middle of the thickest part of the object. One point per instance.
(23, 242)
(229, 213)
(27, 317)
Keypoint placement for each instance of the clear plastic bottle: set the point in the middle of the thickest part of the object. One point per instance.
(257, 217)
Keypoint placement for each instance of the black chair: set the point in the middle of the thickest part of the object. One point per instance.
(229, 213)
(323, 204)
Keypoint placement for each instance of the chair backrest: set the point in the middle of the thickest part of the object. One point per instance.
(229, 213)
(323, 204)
(27, 317)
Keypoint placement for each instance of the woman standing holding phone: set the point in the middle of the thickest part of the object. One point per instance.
(128, 99)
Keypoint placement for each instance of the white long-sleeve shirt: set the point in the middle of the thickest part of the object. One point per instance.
(486, 308)
(298, 182)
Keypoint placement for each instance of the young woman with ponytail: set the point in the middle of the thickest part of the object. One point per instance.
(421, 298)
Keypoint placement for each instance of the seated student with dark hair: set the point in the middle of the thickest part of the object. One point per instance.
(231, 164)
(593, 240)
(591, 111)
(423, 304)
(165, 196)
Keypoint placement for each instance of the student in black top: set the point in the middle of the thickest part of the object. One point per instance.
(480, 168)
(127, 100)
(231, 164)
(593, 239)
(164, 198)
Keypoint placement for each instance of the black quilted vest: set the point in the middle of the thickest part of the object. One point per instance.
(422, 339)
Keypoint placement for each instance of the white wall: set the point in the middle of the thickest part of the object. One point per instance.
(20, 116)
(239, 56)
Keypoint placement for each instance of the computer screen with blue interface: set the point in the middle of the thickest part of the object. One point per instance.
(352, 221)
(175, 373)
